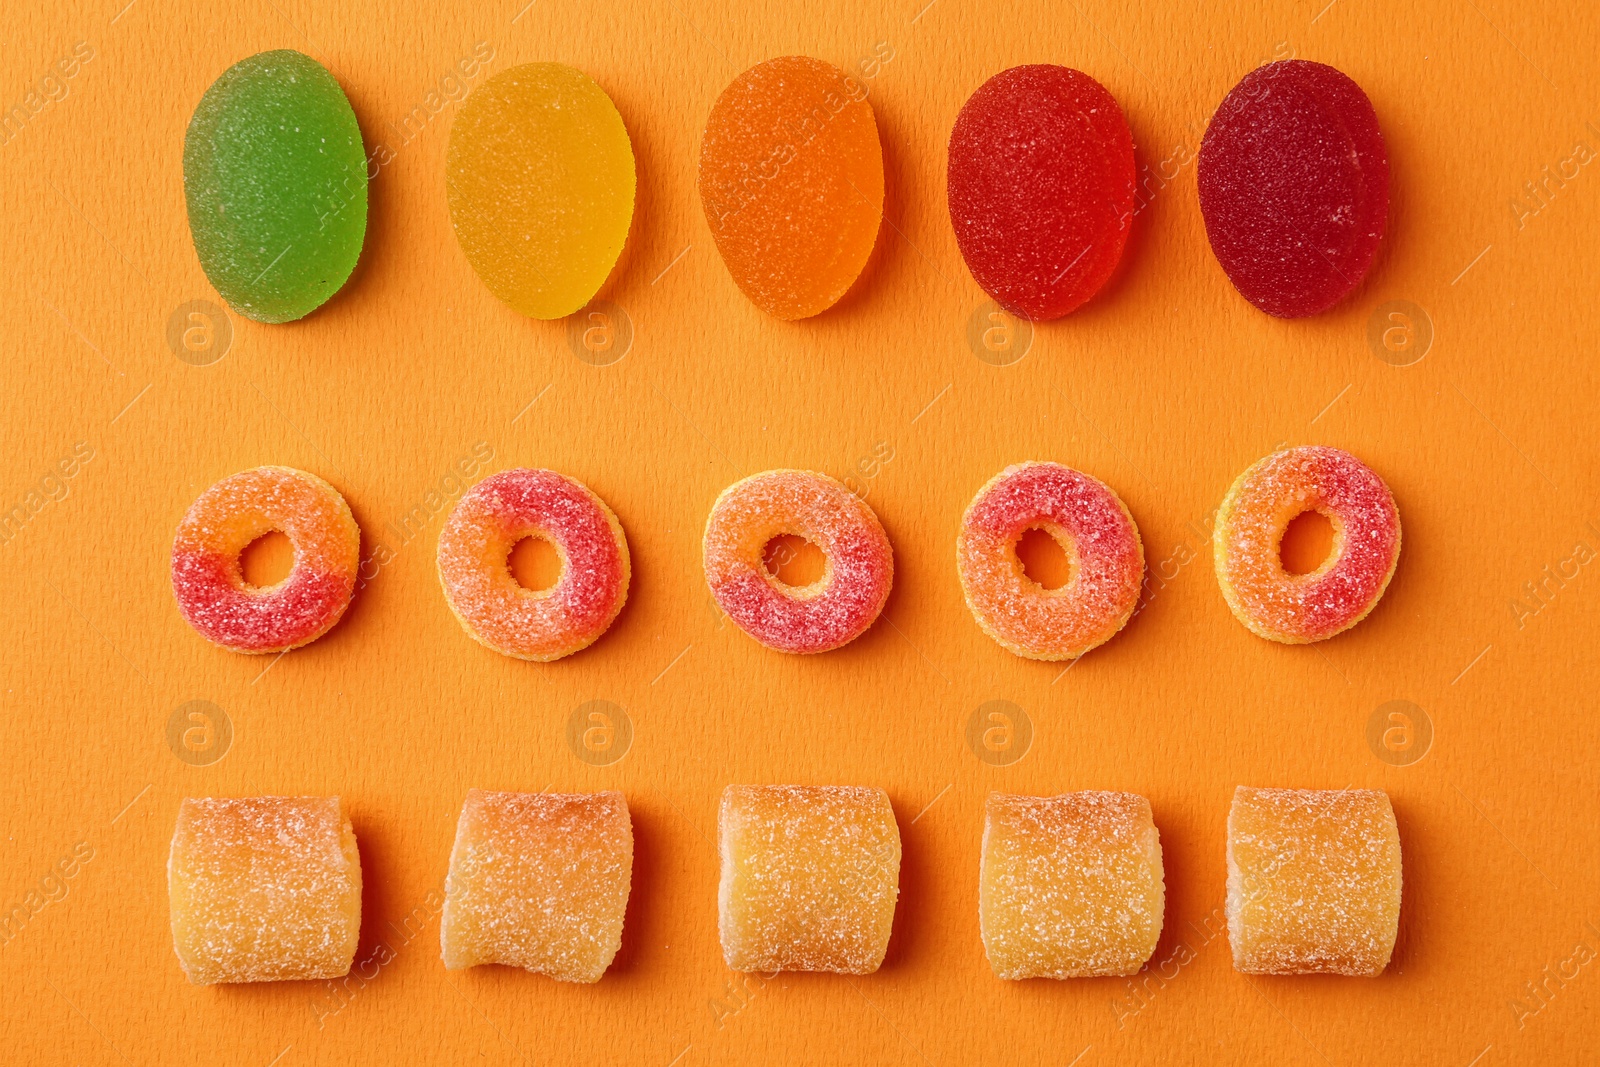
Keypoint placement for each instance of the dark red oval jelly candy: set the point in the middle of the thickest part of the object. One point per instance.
(1041, 185)
(1294, 186)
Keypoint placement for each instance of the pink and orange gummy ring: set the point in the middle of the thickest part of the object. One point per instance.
(1300, 608)
(836, 608)
(1093, 527)
(210, 586)
(492, 607)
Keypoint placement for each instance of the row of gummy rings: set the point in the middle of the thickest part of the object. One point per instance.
(1103, 550)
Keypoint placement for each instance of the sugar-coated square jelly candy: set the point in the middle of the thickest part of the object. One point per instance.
(538, 881)
(1313, 881)
(810, 875)
(264, 889)
(1070, 886)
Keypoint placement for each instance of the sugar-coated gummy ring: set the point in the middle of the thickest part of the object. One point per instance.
(1300, 608)
(1092, 526)
(489, 603)
(209, 584)
(836, 608)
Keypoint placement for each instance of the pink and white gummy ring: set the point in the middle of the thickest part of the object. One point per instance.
(1299, 608)
(1092, 526)
(487, 600)
(836, 608)
(209, 584)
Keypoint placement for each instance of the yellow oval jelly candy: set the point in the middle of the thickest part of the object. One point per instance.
(540, 181)
(791, 178)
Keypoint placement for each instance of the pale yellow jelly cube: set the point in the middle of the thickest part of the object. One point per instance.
(1313, 881)
(1069, 886)
(264, 889)
(538, 881)
(810, 875)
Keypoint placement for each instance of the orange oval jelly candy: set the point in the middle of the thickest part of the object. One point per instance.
(791, 178)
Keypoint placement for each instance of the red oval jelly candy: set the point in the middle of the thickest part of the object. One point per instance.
(1041, 185)
(1294, 186)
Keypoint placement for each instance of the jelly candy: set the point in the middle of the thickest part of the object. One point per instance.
(1294, 186)
(791, 179)
(264, 889)
(540, 180)
(276, 181)
(1313, 881)
(810, 875)
(1070, 886)
(1041, 188)
(539, 881)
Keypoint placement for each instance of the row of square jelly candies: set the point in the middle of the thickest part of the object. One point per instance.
(269, 888)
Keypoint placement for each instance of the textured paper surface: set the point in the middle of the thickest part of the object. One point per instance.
(1166, 387)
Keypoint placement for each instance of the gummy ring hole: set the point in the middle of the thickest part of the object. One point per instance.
(1309, 544)
(796, 565)
(266, 562)
(1048, 557)
(536, 564)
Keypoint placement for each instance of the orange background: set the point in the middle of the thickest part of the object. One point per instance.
(1166, 387)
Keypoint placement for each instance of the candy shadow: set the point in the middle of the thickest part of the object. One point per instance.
(381, 227)
(351, 621)
(626, 623)
(1133, 251)
(894, 179)
(641, 920)
(1407, 939)
(1182, 942)
(884, 632)
(912, 910)
(645, 198)
(854, 299)
(1355, 303)
(378, 876)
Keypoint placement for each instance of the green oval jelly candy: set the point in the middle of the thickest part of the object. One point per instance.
(276, 179)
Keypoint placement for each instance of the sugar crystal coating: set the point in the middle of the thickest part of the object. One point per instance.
(1300, 608)
(1294, 186)
(791, 180)
(264, 889)
(275, 177)
(1090, 523)
(1313, 881)
(538, 881)
(209, 584)
(540, 180)
(544, 624)
(856, 578)
(1041, 188)
(1070, 886)
(810, 875)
